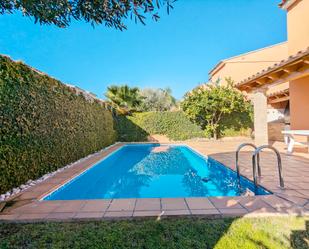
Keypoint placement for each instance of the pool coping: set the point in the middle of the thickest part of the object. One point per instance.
(28, 207)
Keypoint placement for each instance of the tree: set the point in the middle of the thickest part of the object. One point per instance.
(111, 13)
(124, 97)
(157, 99)
(208, 106)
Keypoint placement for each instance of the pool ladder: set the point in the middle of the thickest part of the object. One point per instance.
(256, 167)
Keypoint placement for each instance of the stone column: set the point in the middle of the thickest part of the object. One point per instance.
(260, 117)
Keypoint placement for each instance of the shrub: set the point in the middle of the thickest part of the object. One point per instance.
(237, 124)
(44, 125)
(174, 125)
(218, 107)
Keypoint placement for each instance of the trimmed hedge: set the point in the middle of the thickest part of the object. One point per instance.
(175, 125)
(236, 124)
(44, 125)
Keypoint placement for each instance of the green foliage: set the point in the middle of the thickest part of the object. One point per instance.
(213, 107)
(184, 233)
(124, 97)
(236, 124)
(111, 13)
(44, 125)
(175, 125)
(128, 130)
(157, 100)
(131, 99)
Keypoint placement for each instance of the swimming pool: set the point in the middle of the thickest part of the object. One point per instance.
(154, 171)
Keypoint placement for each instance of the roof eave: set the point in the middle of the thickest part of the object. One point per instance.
(301, 56)
(285, 4)
(221, 63)
(216, 68)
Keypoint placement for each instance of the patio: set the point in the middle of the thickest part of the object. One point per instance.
(293, 200)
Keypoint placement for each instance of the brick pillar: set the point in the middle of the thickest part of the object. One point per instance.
(260, 117)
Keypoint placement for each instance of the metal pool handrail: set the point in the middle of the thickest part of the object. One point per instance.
(256, 154)
(237, 158)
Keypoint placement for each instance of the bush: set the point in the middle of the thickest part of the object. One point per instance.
(174, 125)
(236, 124)
(44, 125)
(217, 108)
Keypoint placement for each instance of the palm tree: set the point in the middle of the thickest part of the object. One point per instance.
(124, 97)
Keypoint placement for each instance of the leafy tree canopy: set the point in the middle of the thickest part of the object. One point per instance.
(207, 106)
(131, 99)
(157, 99)
(124, 97)
(108, 12)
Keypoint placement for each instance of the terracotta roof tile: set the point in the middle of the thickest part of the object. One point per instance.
(282, 2)
(276, 66)
(286, 3)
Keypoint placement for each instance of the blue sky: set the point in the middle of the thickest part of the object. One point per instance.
(176, 52)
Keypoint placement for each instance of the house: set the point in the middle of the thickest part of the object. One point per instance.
(285, 83)
(244, 65)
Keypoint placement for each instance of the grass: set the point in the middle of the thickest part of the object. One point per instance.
(288, 232)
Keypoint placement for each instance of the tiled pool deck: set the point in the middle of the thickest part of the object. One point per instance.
(293, 200)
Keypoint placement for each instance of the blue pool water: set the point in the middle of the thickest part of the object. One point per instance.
(151, 170)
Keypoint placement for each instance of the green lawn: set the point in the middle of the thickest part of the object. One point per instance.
(167, 233)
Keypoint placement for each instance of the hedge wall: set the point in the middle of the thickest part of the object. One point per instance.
(44, 125)
(175, 125)
(237, 124)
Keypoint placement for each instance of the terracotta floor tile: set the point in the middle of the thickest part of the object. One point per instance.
(20, 209)
(55, 180)
(95, 206)
(38, 216)
(28, 195)
(43, 187)
(148, 204)
(262, 212)
(89, 215)
(207, 212)
(225, 202)
(175, 212)
(36, 208)
(120, 214)
(294, 211)
(60, 216)
(199, 203)
(70, 206)
(233, 211)
(254, 204)
(122, 205)
(147, 213)
(5, 217)
(173, 204)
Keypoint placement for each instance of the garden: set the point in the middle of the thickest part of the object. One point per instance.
(47, 124)
(49, 128)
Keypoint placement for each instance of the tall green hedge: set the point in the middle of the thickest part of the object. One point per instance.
(44, 125)
(236, 124)
(175, 125)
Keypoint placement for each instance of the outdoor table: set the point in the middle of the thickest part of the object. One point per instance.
(289, 138)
